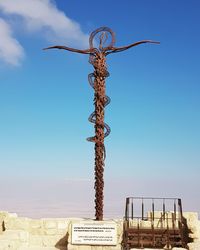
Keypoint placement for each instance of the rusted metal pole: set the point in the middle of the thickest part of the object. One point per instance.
(97, 117)
(97, 57)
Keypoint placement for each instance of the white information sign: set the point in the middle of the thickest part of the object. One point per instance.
(94, 234)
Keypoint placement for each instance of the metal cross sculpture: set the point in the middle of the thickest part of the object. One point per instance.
(97, 57)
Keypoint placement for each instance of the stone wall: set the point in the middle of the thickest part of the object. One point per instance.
(18, 233)
(194, 226)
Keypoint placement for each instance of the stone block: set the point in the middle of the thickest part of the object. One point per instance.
(16, 223)
(194, 246)
(79, 247)
(50, 241)
(9, 245)
(50, 227)
(193, 225)
(191, 216)
(36, 227)
(36, 223)
(63, 225)
(145, 224)
(8, 218)
(134, 222)
(118, 247)
(3, 215)
(49, 224)
(35, 240)
(1, 226)
(178, 248)
(75, 247)
(51, 231)
(38, 248)
(19, 235)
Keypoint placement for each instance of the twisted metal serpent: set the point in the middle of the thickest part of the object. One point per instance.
(97, 57)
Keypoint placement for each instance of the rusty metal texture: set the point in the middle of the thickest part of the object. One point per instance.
(97, 57)
(147, 223)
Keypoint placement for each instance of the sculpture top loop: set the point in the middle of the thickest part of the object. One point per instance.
(105, 31)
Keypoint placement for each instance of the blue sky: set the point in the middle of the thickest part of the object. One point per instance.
(45, 100)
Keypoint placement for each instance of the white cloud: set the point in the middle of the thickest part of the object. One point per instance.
(10, 50)
(43, 15)
(40, 16)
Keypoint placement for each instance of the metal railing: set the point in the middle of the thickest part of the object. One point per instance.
(154, 222)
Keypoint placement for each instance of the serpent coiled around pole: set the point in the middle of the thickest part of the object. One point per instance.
(106, 101)
(101, 100)
(97, 57)
(97, 81)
